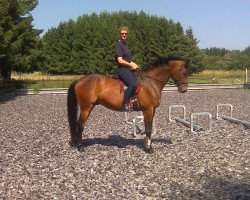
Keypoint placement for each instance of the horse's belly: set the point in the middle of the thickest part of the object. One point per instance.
(111, 99)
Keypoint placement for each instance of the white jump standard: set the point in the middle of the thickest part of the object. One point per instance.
(230, 118)
(193, 127)
(137, 128)
(138, 122)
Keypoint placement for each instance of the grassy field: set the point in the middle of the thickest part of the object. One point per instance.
(38, 76)
(221, 77)
(38, 80)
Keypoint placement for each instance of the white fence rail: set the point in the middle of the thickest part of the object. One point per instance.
(166, 88)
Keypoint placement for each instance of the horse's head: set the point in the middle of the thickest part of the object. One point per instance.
(179, 74)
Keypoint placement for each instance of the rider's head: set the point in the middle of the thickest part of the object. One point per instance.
(123, 33)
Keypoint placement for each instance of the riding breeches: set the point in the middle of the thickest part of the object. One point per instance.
(126, 75)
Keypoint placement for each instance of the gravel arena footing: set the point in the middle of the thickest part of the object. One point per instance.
(37, 161)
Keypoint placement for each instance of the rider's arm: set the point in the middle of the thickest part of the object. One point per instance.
(132, 65)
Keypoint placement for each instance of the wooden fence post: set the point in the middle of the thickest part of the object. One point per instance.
(246, 76)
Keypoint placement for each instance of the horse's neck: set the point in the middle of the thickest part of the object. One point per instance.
(161, 75)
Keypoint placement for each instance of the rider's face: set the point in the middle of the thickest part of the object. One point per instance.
(123, 35)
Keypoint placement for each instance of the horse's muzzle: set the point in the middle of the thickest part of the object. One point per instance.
(182, 91)
(182, 88)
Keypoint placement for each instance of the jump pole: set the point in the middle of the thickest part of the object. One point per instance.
(126, 120)
(230, 118)
(140, 119)
(193, 127)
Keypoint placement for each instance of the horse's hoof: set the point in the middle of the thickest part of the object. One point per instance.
(149, 149)
(80, 148)
(72, 144)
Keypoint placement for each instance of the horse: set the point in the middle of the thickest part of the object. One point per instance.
(101, 89)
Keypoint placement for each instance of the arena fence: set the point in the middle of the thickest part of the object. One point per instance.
(41, 85)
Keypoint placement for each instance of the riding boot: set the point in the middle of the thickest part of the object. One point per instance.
(126, 107)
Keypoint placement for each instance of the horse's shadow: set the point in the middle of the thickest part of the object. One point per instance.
(122, 142)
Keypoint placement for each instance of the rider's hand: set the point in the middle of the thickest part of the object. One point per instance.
(134, 66)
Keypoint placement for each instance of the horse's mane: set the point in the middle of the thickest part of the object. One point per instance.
(161, 61)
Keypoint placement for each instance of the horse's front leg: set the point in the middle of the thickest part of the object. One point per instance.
(148, 121)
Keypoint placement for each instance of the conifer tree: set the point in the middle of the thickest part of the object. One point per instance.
(87, 45)
(18, 39)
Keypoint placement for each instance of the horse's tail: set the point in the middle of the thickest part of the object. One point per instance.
(72, 112)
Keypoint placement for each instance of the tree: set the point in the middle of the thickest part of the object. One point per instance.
(87, 44)
(247, 50)
(222, 59)
(18, 39)
(193, 52)
(216, 51)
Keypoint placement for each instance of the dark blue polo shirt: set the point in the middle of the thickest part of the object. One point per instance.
(122, 50)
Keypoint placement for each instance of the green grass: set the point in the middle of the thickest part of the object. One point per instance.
(48, 84)
(38, 80)
(8, 88)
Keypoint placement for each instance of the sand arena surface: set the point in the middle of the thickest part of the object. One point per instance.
(38, 163)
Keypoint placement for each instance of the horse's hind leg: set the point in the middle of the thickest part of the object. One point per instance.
(85, 112)
(148, 120)
(80, 127)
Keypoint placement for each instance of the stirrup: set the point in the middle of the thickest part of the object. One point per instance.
(126, 107)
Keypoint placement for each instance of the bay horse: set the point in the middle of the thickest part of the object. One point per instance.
(94, 89)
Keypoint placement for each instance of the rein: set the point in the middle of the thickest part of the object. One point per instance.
(154, 79)
(178, 84)
(139, 73)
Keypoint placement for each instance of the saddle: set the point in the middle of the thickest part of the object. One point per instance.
(123, 87)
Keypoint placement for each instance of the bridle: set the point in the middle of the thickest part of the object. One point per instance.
(177, 83)
(139, 73)
(154, 79)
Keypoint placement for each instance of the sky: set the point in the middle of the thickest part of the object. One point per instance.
(215, 23)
